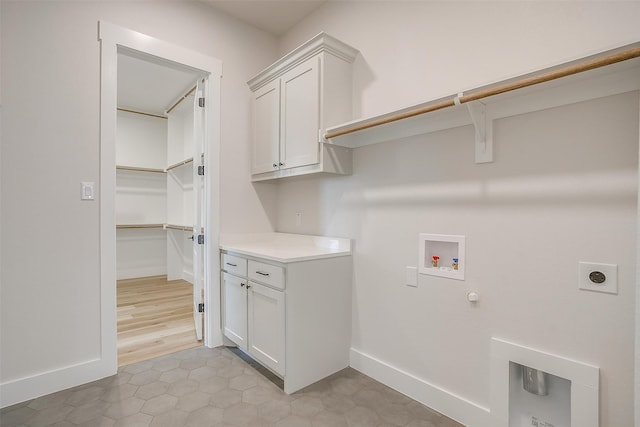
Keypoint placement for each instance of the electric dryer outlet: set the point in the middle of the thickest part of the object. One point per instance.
(598, 277)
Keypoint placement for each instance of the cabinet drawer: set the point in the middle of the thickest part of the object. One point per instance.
(268, 274)
(234, 265)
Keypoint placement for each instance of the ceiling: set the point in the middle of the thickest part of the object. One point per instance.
(273, 16)
(149, 85)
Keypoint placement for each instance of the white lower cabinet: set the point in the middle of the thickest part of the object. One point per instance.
(234, 292)
(266, 326)
(293, 318)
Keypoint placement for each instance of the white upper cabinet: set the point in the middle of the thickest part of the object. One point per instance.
(266, 128)
(294, 101)
(300, 115)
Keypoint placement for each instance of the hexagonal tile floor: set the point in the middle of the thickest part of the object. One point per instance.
(214, 387)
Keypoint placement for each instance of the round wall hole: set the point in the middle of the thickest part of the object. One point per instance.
(597, 277)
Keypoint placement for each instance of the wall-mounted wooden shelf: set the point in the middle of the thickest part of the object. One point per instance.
(139, 169)
(160, 226)
(185, 228)
(133, 226)
(179, 227)
(180, 163)
(608, 73)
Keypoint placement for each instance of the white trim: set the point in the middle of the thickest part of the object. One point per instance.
(114, 35)
(41, 384)
(108, 362)
(447, 403)
(213, 320)
(637, 314)
(112, 38)
(135, 272)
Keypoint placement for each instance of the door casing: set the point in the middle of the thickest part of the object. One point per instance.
(113, 38)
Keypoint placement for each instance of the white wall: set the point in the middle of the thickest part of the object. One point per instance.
(50, 303)
(414, 51)
(141, 141)
(562, 189)
(141, 197)
(141, 253)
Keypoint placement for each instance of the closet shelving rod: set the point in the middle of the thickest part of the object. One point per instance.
(180, 163)
(130, 226)
(126, 110)
(137, 169)
(592, 63)
(581, 67)
(178, 227)
(181, 227)
(182, 98)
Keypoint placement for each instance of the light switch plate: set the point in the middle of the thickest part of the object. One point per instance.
(86, 191)
(598, 277)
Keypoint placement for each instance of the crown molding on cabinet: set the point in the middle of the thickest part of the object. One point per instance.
(322, 42)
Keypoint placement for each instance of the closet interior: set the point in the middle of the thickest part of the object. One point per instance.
(157, 208)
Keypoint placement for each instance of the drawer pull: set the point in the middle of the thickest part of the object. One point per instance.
(232, 265)
(262, 273)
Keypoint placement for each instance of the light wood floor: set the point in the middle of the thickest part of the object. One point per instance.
(155, 317)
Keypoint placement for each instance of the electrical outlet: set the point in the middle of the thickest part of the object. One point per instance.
(598, 277)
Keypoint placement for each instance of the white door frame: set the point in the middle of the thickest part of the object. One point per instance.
(112, 38)
(636, 400)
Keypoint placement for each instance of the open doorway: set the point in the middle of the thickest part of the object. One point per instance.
(159, 207)
(160, 132)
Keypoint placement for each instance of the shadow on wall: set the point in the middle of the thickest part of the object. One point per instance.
(575, 154)
(365, 77)
(605, 187)
(547, 159)
(267, 195)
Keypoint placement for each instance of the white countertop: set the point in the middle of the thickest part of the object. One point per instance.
(284, 247)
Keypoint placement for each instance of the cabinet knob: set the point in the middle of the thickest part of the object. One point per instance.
(242, 285)
(275, 165)
(281, 163)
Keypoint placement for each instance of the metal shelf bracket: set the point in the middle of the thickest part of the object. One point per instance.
(484, 131)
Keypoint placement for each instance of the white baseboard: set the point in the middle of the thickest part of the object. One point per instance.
(188, 276)
(134, 273)
(464, 411)
(27, 388)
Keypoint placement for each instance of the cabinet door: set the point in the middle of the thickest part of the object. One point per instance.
(266, 326)
(266, 128)
(300, 115)
(234, 296)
